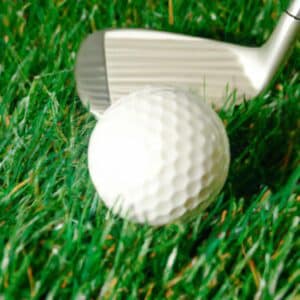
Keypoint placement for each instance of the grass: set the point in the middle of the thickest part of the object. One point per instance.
(58, 241)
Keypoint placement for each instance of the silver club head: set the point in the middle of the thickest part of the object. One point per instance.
(113, 63)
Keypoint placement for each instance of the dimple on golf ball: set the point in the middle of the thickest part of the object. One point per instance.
(158, 155)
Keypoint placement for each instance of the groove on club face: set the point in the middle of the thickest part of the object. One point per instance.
(91, 75)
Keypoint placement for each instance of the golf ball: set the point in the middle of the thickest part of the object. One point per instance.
(158, 155)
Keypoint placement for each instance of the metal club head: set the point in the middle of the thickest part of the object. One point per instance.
(113, 63)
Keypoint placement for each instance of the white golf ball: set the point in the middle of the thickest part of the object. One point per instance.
(158, 155)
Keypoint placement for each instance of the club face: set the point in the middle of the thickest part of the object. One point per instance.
(135, 58)
(111, 64)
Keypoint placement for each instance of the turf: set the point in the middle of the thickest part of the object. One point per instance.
(58, 241)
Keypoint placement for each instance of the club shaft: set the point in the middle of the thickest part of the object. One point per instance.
(278, 47)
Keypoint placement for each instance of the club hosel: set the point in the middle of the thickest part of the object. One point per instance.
(278, 47)
(294, 9)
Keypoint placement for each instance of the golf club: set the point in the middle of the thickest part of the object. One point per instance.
(113, 63)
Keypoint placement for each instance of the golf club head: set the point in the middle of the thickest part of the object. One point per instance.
(113, 63)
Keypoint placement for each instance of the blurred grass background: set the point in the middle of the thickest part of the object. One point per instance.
(58, 241)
